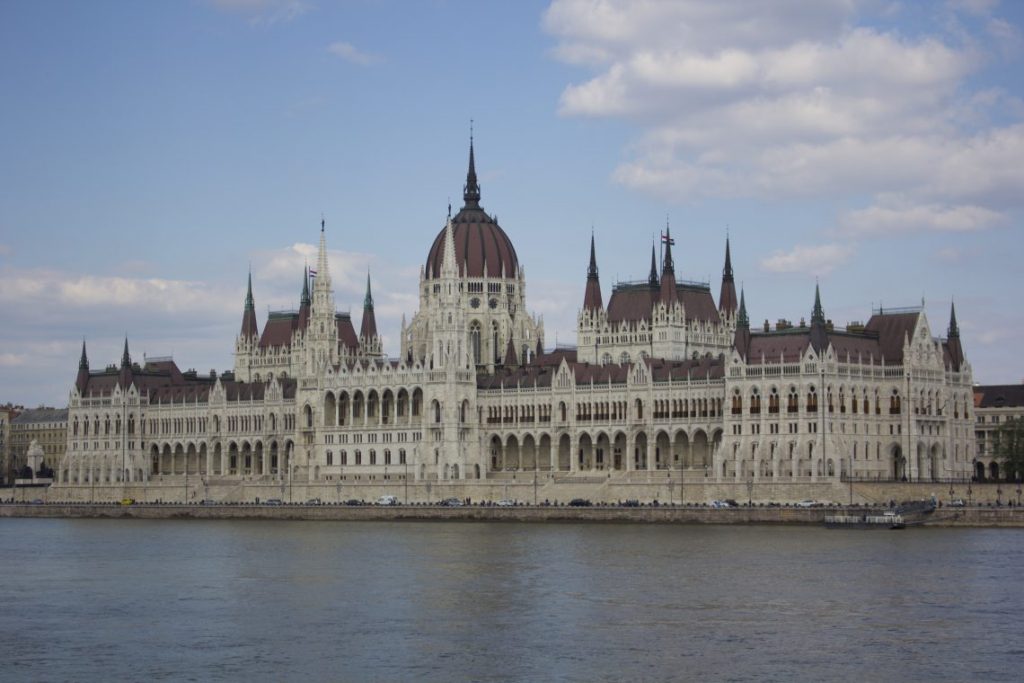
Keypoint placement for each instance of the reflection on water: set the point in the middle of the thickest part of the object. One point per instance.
(133, 599)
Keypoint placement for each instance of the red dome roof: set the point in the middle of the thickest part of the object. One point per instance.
(479, 241)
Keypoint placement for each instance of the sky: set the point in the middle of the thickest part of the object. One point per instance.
(154, 152)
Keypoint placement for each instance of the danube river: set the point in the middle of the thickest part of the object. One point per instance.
(315, 601)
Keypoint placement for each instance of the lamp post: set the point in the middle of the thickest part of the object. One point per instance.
(406, 463)
(750, 491)
(969, 492)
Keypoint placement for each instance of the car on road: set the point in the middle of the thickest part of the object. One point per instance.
(505, 503)
(580, 503)
(719, 504)
(957, 503)
(452, 502)
(807, 503)
(387, 499)
(273, 501)
(127, 501)
(353, 501)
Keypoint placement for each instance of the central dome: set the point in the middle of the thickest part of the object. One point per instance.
(480, 243)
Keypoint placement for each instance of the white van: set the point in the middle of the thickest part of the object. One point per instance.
(387, 500)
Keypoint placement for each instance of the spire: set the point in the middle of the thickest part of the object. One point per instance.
(368, 328)
(819, 334)
(471, 191)
(511, 360)
(668, 272)
(727, 296)
(818, 314)
(592, 299)
(249, 328)
(741, 339)
(368, 299)
(82, 380)
(653, 278)
(304, 302)
(956, 350)
(124, 379)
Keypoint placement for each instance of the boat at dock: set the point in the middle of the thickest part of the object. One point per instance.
(888, 520)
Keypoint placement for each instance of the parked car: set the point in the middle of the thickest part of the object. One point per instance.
(452, 502)
(387, 499)
(505, 503)
(273, 501)
(807, 503)
(127, 501)
(718, 504)
(353, 501)
(580, 503)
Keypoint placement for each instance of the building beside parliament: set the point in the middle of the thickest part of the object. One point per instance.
(664, 379)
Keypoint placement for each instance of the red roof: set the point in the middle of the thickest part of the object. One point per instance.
(634, 302)
(479, 241)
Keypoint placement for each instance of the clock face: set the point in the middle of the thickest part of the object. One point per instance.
(474, 302)
(493, 303)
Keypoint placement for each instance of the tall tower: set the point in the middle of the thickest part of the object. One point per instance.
(322, 331)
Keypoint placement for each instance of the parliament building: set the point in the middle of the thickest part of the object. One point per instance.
(664, 379)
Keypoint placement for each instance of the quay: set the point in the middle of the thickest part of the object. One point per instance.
(976, 516)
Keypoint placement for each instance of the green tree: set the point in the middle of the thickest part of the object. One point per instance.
(1009, 448)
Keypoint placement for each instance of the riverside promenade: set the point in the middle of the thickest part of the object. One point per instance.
(977, 516)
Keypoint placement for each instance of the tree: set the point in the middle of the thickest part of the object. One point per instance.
(1009, 448)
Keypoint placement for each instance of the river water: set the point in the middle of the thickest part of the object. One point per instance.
(314, 601)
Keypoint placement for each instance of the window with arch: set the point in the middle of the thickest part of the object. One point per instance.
(812, 400)
(359, 457)
(895, 406)
(755, 401)
(773, 400)
(474, 341)
(792, 401)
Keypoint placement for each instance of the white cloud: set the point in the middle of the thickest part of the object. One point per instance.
(789, 100)
(815, 260)
(264, 12)
(350, 53)
(885, 220)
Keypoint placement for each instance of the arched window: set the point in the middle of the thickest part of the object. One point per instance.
(474, 341)
(494, 342)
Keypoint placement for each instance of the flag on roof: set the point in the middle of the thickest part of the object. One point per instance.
(312, 273)
(665, 239)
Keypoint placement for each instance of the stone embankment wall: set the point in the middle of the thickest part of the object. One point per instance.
(975, 516)
(595, 489)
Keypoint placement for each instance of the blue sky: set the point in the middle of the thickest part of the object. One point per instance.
(153, 151)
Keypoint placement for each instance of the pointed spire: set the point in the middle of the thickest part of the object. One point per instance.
(511, 360)
(124, 378)
(819, 334)
(249, 303)
(305, 286)
(727, 295)
(592, 269)
(368, 328)
(368, 299)
(652, 279)
(741, 338)
(471, 191)
(818, 314)
(668, 271)
(82, 380)
(249, 328)
(592, 299)
(956, 350)
(126, 359)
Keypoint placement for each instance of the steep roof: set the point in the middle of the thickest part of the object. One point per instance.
(892, 330)
(999, 396)
(633, 302)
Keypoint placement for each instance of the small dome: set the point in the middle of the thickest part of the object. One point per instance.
(479, 242)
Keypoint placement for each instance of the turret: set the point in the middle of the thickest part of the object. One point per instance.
(511, 360)
(652, 278)
(471, 191)
(304, 302)
(819, 332)
(368, 328)
(124, 378)
(669, 295)
(956, 351)
(727, 297)
(249, 327)
(82, 380)
(592, 300)
(741, 339)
